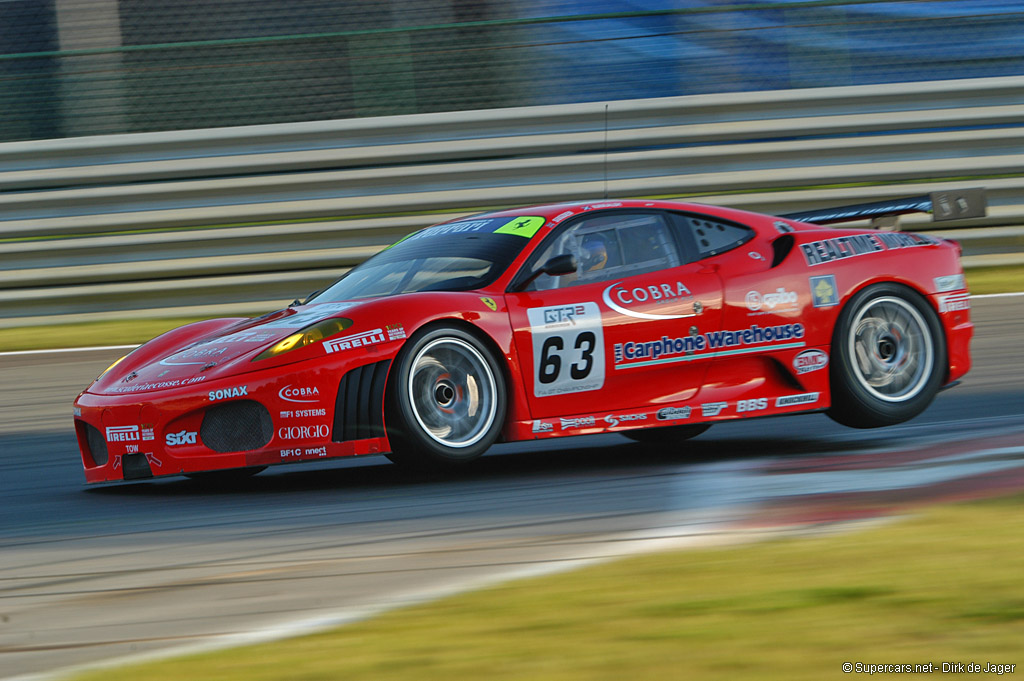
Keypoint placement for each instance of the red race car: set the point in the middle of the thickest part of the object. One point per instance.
(650, 318)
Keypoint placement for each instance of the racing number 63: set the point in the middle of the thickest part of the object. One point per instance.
(568, 349)
(551, 361)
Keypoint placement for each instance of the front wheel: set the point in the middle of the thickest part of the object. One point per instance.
(889, 353)
(446, 399)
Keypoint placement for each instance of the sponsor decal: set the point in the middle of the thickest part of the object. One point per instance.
(654, 349)
(614, 419)
(542, 427)
(823, 290)
(522, 226)
(791, 400)
(674, 413)
(842, 247)
(182, 438)
(755, 335)
(122, 433)
(300, 394)
(200, 351)
(139, 387)
(622, 298)
(578, 422)
(598, 206)
(395, 331)
(955, 301)
(159, 384)
(302, 453)
(227, 393)
(466, 226)
(810, 360)
(355, 340)
(713, 408)
(77, 411)
(783, 227)
(839, 248)
(302, 413)
(491, 305)
(303, 432)
(255, 336)
(147, 432)
(720, 343)
(312, 314)
(568, 348)
(203, 354)
(780, 298)
(561, 216)
(756, 404)
(555, 317)
(952, 282)
(130, 377)
(754, 255)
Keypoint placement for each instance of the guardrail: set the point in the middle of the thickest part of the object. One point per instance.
(243, 219)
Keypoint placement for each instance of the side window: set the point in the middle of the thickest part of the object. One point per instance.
(609, 247)
(712, 236)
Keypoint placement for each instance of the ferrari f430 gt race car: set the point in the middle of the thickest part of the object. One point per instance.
(654, 319)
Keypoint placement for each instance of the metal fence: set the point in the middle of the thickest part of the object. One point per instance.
(90, 67)
(204, 222)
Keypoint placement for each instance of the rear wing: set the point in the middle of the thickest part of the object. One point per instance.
(949, 205)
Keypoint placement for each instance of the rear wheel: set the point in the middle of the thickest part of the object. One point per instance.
(446, 400)
(889, 353)
(667, 433)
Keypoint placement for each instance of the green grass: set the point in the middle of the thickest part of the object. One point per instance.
(89, 334)
(945, 586)
(995, 279)
(988, 280)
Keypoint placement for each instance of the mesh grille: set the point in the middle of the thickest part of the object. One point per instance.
(359, 411)
(97, 445)
(238, 426)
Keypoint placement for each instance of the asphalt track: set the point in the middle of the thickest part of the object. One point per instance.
(91, 574)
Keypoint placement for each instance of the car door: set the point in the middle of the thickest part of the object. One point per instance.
(626, 329)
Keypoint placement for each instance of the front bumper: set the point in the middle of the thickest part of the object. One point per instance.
(261, 419)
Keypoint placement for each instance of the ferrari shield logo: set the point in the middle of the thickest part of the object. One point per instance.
(491, 305)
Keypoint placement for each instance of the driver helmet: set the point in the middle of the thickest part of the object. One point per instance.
(593, 253)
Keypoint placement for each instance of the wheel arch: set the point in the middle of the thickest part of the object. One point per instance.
(480, 335)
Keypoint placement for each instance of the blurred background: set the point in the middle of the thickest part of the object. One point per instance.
(91, 67)
(166, 158)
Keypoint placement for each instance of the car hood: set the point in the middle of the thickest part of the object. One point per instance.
(174, 360)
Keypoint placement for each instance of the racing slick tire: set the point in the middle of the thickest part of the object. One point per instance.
(889, 355)
(445, 402)
(667, 434)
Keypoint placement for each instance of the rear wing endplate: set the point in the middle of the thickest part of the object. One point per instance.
(956, 204)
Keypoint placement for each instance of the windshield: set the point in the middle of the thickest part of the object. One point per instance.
(458, 256)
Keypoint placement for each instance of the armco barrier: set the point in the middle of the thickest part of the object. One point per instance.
(242, 219)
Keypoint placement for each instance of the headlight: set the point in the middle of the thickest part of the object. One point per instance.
(116, 362)
(307, 336)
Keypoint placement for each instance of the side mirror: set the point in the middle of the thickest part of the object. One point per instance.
(557, 266)
(560, 265)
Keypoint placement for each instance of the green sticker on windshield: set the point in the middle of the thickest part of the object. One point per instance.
(524, 226)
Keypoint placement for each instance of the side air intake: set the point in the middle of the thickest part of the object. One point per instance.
(359, 410)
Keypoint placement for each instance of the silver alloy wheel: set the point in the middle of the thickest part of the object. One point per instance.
(452, 392)
(892, 349)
